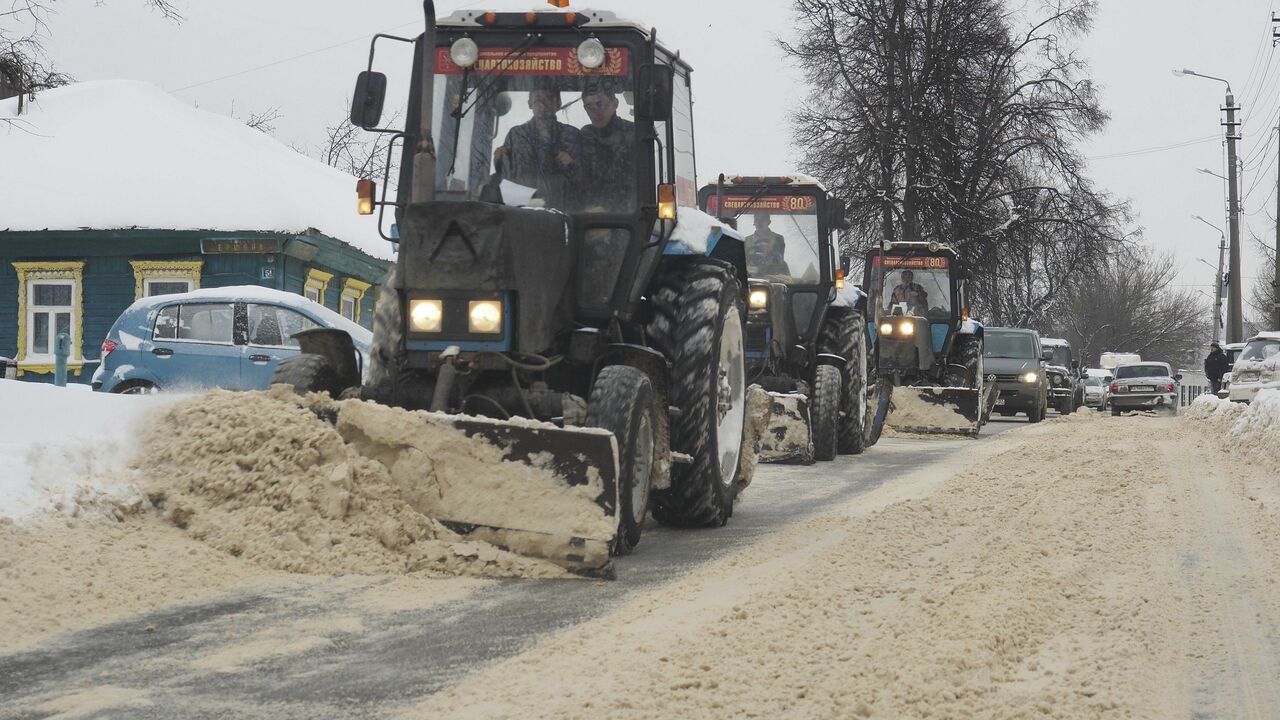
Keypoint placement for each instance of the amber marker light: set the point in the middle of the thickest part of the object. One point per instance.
(840, 279)
(364, 196)
(666, 201)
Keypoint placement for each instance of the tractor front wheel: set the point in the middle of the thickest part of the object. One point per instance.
(624, 403)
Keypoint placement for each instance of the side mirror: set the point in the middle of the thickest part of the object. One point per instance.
(1046, 355)
(1178, 376)
(656, 88)
(366, 101)
(838, 210)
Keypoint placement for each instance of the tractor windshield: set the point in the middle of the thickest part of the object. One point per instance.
(913, 285)
(532, 126)
(1061, 356)
(782, 235)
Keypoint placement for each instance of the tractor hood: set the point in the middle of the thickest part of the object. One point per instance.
(487, 249)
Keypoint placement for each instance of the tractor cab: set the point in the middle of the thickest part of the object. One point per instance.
(789, 225)
(919, 307)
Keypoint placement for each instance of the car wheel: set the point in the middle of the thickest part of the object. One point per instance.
(135, 387)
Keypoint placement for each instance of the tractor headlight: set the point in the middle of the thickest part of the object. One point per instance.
(484, 316)
(1030, 377)
(464, 52)
(907, 328)
(426, 315)
(886, 328)
(591, 53)
(758, 299)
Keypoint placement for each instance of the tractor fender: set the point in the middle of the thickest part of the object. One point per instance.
(970, 327)
(830, 359)
(645, 359)
(697, 233)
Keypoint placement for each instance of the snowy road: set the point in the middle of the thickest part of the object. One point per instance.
(320, 650)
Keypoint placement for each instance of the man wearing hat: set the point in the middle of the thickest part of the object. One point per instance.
(1215, 366)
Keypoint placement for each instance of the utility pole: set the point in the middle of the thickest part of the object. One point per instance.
(1235, 320)
(1275, 281)
(1217, 292)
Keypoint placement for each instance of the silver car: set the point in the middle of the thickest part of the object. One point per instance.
(1145, 386)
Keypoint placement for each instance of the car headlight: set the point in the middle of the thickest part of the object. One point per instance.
(484, 316)
(1030, 377)
(426, 315)
(907, 328)
(758, 299)
(886, 328)
(464, 52)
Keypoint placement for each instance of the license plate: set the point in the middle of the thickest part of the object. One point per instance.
(1142, 388)
(999, 402)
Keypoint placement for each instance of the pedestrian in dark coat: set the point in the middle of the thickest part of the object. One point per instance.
(1215, 366)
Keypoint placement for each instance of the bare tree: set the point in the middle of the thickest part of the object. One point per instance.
(357, 152)
(1130, 304)
(25, 68)
(960, 120)
(261, 121)
(1262, 296)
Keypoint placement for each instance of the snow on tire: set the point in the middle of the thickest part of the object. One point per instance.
(698, 324)
(388, 330)
(844, 334)
(824, 412)
(624, 403)
(308, 373)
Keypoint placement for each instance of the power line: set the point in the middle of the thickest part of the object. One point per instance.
(1156, 149)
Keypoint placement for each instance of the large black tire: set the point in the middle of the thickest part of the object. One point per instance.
(1037, 413)
(624, 403)
(844, 334)
(878, 394)
(388, 332)
(308, 373)
(693, 305)
(824, 412)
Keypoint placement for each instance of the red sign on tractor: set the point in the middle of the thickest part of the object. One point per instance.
(554, 61)
(911, 262)
(785, 204)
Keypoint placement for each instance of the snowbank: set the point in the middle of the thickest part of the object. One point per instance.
(67, 449)
(1252, 430)
(124, 154)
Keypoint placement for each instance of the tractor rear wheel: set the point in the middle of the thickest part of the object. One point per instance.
(698, 324)
(824, 412)
(624, 403)
(308, 373)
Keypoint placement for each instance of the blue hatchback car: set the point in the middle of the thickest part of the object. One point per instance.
(229, 337)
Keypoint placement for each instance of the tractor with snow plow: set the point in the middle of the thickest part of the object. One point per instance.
(928, 353)
(556, 291)
(805, 329)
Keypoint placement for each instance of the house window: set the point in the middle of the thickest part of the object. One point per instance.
(49, 304)
(317, 283)
(164, 277)
(352, 297)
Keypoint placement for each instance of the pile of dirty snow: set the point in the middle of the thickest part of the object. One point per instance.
(263, 476)
(1251, 430)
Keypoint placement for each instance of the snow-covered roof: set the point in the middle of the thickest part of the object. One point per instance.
(116, 154)
(1266, 335)
(1054, 342)
(795, 179)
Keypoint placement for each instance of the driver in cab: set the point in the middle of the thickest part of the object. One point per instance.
(765, 248)
(911, 293)
(542, 153)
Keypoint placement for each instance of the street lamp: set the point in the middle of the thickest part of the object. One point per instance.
(1235, 319)
(1217, 300)
(1210, 172)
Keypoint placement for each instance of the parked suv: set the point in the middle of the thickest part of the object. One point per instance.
(1257, 367)
(1015, 362)
(230, 337)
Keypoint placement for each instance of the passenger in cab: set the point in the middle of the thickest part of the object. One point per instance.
(766, 248)
(607, 173)
(542, 153)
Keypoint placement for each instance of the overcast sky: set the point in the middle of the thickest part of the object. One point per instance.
(301, 57)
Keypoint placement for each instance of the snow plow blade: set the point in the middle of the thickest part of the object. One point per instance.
(786, 437)
(573, 455)
(530, 488)
(935, 411)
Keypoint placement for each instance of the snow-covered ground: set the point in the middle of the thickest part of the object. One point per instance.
(65, 448)
(1251, 430)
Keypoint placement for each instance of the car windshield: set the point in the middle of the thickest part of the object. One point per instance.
(1260, 350)
(1095, 382)
(781, 232)
(913, 285)
(1141, 371)
(1061, 356)
(536, 126)
(1009, 345)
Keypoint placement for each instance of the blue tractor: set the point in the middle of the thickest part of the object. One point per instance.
(557, 291)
